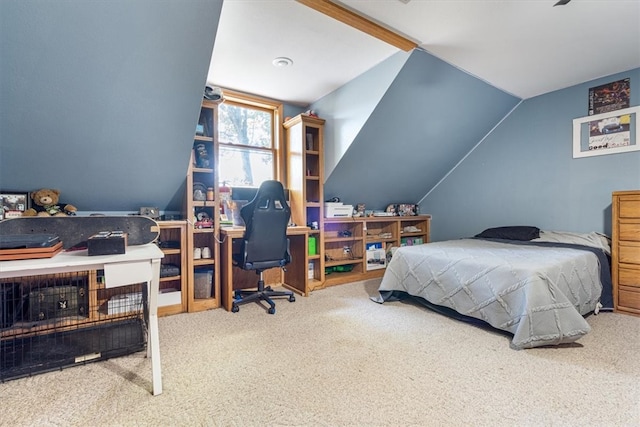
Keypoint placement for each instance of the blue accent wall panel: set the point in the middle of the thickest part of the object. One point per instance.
(431, 115)
(100, 98)
(348, 108)
(524, 173)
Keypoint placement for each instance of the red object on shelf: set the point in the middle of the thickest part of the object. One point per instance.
(207, 223)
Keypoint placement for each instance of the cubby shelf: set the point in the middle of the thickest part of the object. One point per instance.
(305, 176)
(202, 273)
(372, 228)
(173, 233)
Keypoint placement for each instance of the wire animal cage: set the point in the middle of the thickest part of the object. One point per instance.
(56, 321)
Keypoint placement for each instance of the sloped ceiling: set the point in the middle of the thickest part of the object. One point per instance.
(430, 117)
(100, 99)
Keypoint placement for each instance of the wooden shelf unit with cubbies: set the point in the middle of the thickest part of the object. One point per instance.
(172, 298)
(203, 215)
(346, 241)
(305, 179)
(343, 250)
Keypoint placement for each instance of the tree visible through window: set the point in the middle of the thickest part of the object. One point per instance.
(248, 142)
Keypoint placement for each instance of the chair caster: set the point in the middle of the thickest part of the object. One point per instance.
(272, 310)
(235, 308)
(292, 298)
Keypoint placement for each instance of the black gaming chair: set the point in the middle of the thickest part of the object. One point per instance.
(265, 244)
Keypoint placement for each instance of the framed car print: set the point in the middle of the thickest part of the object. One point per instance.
(606, 133)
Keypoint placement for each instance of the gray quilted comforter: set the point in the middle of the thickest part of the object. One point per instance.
(537, 293)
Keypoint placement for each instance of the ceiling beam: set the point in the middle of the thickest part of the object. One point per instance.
(359, 22)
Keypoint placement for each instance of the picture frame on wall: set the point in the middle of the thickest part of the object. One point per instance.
(610, 97)
(13, 205)
(606, 133)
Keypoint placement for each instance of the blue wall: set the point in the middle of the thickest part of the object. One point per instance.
(430, 116)
(348, 108)
(100, 98)
(524, 173)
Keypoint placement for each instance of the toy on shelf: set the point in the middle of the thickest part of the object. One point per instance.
(46, 202)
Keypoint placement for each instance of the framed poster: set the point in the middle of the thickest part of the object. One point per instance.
(609, 97)
(13, 204)
(606, 133)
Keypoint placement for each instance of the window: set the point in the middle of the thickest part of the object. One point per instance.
(249, 135)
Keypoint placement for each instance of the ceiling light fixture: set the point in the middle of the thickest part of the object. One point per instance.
(282, 62)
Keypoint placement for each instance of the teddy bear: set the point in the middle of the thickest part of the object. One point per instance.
(46, 203)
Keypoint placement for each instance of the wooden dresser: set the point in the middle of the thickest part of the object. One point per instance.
(625, 254)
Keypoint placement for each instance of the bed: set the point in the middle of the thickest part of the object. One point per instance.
(537, 286)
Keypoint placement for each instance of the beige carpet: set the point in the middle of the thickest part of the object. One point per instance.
(338, 359)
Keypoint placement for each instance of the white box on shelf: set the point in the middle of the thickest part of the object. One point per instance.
(169, 298)
(337, 210)
(124, 303)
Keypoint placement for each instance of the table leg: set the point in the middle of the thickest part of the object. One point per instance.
(153, 346)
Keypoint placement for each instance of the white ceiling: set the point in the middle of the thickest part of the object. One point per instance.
(524, 47)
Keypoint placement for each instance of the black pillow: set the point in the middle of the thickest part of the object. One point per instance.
(515, 232)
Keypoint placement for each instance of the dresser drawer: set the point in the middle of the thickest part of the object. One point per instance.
(629, 277)
(629, 231)
(629, 207)
(629, 253)
(628, 298)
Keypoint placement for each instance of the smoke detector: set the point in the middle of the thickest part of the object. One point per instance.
(282, 61)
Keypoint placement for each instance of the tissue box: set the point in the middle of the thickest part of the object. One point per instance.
(107, 243)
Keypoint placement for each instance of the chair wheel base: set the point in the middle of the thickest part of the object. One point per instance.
(262, 294)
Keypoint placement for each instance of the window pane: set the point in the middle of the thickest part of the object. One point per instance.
(244, 126)
(244, 167)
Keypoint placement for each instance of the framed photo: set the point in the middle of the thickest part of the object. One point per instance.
(606, 133)
(13, 204)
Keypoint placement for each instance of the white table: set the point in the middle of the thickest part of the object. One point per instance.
(140, 264)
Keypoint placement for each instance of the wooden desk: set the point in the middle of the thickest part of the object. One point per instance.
(232, 278)
(139, 264)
